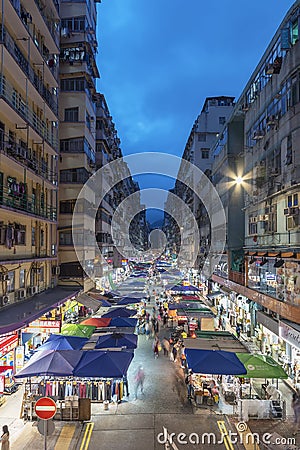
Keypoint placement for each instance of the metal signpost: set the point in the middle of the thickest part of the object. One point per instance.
(45, 409)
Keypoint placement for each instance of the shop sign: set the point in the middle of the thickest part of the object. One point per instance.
(2, 384)
(42, 326)
(19, 357)
(289, 334)
(267, 322)
(7, 344)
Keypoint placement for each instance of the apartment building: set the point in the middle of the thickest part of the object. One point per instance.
(262, 292)
(77, 129)
(29, 60)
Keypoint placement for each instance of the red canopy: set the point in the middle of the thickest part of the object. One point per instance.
(190, 297)
(97, 321)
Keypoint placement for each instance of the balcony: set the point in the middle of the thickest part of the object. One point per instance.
(22, 156)
(22, 62)
(18, 104)
(15, 198)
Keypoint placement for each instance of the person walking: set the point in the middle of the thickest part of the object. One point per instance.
(5, 438)
(125, 384)
(166, 346)
(139, 380)
(238, 330)
(189, 383)
(156, 345)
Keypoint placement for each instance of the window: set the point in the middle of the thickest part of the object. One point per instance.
(22, 278)
(202, 137)
(71, 114)
(2, 233)
(222, 120)
(292, 200)
(42, 274)
(289, 150)
(67, 207)
(79, 175)
(72, 84)
(11, 281)
(74, 23)
(65, 237)
(294, 32)
(42, 238)
(205, 153)
(20, 234)
(33, 236)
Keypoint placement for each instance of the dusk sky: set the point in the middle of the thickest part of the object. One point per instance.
(160, 59)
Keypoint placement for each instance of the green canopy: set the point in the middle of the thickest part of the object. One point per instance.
(261, 366)
(70, 329)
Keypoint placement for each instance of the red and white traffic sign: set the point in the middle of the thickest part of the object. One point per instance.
(45, 408)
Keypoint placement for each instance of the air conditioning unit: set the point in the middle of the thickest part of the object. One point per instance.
(7, 298)
(294, 211)
(292, 222)
(4, 277)
(258, 134)
(32, 290)
(21, 293)
(286, 211)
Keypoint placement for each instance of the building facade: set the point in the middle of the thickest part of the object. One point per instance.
(262, 291)
(29, 147)
(77, 128)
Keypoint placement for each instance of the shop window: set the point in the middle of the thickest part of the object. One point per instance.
(22, 278)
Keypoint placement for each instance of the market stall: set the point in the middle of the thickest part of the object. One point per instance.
(204, 365)
(71, 377)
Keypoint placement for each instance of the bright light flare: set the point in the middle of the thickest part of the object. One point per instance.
(239, 180)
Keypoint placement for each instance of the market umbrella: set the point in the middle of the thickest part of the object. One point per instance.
(111, 340)
(120, 312)
(183, 289)
(123, 322)
(73, 329)
(51, 363)
(61, 342)
(103, 364)
(217, 362)
(97, 321)
(261, 366)
(129, 300)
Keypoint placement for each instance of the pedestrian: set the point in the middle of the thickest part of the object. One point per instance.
(166, 346)
(5, 438)
(156, 345)
(139, 380)
(296, 409)
(125, 384)
(223, 324)
(189, 383)
(238, 330)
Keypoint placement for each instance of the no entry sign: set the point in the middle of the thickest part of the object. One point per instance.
(45, 408)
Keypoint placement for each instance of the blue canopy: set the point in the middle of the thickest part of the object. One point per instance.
(51, 362)
(120, 312)
(62, 342)
(183, 289)
(115, 340)
(123, 322)
(129, 300)
(217, 362)
(104, 364)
